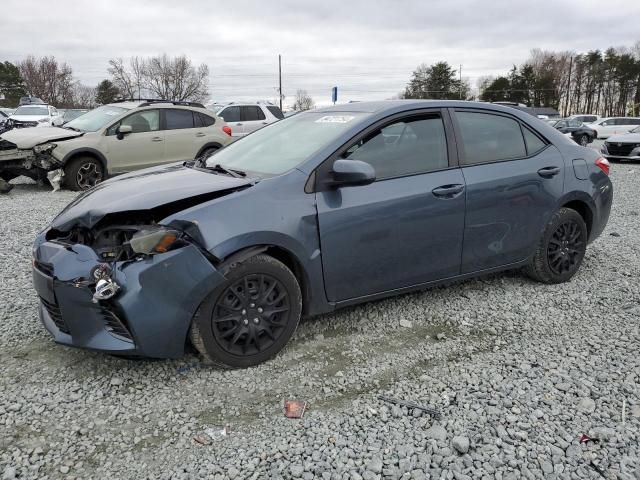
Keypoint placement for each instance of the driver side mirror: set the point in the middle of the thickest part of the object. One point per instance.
(351, 173)
(123, 130)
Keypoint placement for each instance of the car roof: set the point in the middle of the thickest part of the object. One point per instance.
(401, 105)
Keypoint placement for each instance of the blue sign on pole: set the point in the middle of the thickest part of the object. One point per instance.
(334, 94)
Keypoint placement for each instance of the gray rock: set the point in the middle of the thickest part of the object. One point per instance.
(375, 464)
(461, 444)
(586, 405)
(436, 432)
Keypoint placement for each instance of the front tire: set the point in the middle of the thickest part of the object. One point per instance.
(251, 316)
(561, 248)
(83, 173)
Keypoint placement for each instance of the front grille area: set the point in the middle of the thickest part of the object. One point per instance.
(7, 145)
(115, 326)
(18, 124)
(620, 149)
(54, 312)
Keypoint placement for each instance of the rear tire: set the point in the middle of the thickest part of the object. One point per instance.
(561, 248)
(251, 316)
(82, 173)
(584, 140)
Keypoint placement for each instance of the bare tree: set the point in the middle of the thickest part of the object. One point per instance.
(47, 79)
(162, 77)
(127, 80)
(83, 96)
(303, 101)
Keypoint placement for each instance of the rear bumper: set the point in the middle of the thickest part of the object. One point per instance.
(151, 314)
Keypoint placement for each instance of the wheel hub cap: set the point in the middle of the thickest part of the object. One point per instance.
(565, 246)
(250, 314)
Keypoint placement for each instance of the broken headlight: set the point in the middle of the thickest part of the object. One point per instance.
(157, 240)
(45, 147)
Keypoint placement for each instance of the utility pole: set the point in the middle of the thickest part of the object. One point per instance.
(460, 81)
(566, 104)
(280, 79)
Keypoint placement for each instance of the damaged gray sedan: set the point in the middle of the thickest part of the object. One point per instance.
(321, 210)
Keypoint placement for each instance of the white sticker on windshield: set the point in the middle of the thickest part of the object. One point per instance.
(335, 119)
(112, 113)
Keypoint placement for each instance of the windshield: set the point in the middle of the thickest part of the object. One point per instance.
(96, 119)
(40, 111)
(286, 144)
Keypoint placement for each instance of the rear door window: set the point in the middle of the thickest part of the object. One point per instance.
(230, 114)
(176, 119)
(251, 113)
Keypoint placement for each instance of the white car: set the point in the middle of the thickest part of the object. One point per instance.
(584, 118)
(605, 127)
(247, 117)
(622, 147)
(38, 115)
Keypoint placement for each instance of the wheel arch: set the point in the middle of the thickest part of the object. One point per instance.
(216, 145)
(282, 254)
(583, 207)
(87, 152)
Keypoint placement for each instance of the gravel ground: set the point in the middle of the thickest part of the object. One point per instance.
(519, 371)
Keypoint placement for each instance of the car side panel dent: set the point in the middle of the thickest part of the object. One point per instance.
(287, 219)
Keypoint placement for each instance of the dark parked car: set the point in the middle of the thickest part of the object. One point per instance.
(325, 209)
(581, 133)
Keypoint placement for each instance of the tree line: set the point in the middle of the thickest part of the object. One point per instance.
(175, 78)
(605, 83)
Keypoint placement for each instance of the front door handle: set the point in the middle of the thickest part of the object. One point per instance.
(238, 124)
(156, 139)
(448, 191)
(200, 134)
(548, 172)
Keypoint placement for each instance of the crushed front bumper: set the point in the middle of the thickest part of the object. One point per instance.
(150, 315)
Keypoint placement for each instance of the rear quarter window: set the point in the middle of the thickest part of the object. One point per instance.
(276, 112)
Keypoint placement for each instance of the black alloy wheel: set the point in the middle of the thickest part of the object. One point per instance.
(565, 247)
(561, 248)
(251, 316)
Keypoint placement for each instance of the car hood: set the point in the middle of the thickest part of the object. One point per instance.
(25, 138)
(160, 191)
(624, 138)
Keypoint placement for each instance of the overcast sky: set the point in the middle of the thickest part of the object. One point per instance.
(368, 48)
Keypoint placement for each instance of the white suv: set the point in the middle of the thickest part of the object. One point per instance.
(35, 115)
(244, 118)
(112, 139)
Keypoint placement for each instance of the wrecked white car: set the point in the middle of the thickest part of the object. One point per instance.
(112, 139)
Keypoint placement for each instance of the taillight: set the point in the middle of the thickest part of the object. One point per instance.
(603, 164)
(227, 129)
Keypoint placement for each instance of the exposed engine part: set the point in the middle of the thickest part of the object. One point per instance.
(105, 289)
(55, 178)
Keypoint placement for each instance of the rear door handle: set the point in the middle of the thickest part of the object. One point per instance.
(156, 139)
(448, 191)
(200, 134)
(548, 172)
(238, 124)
